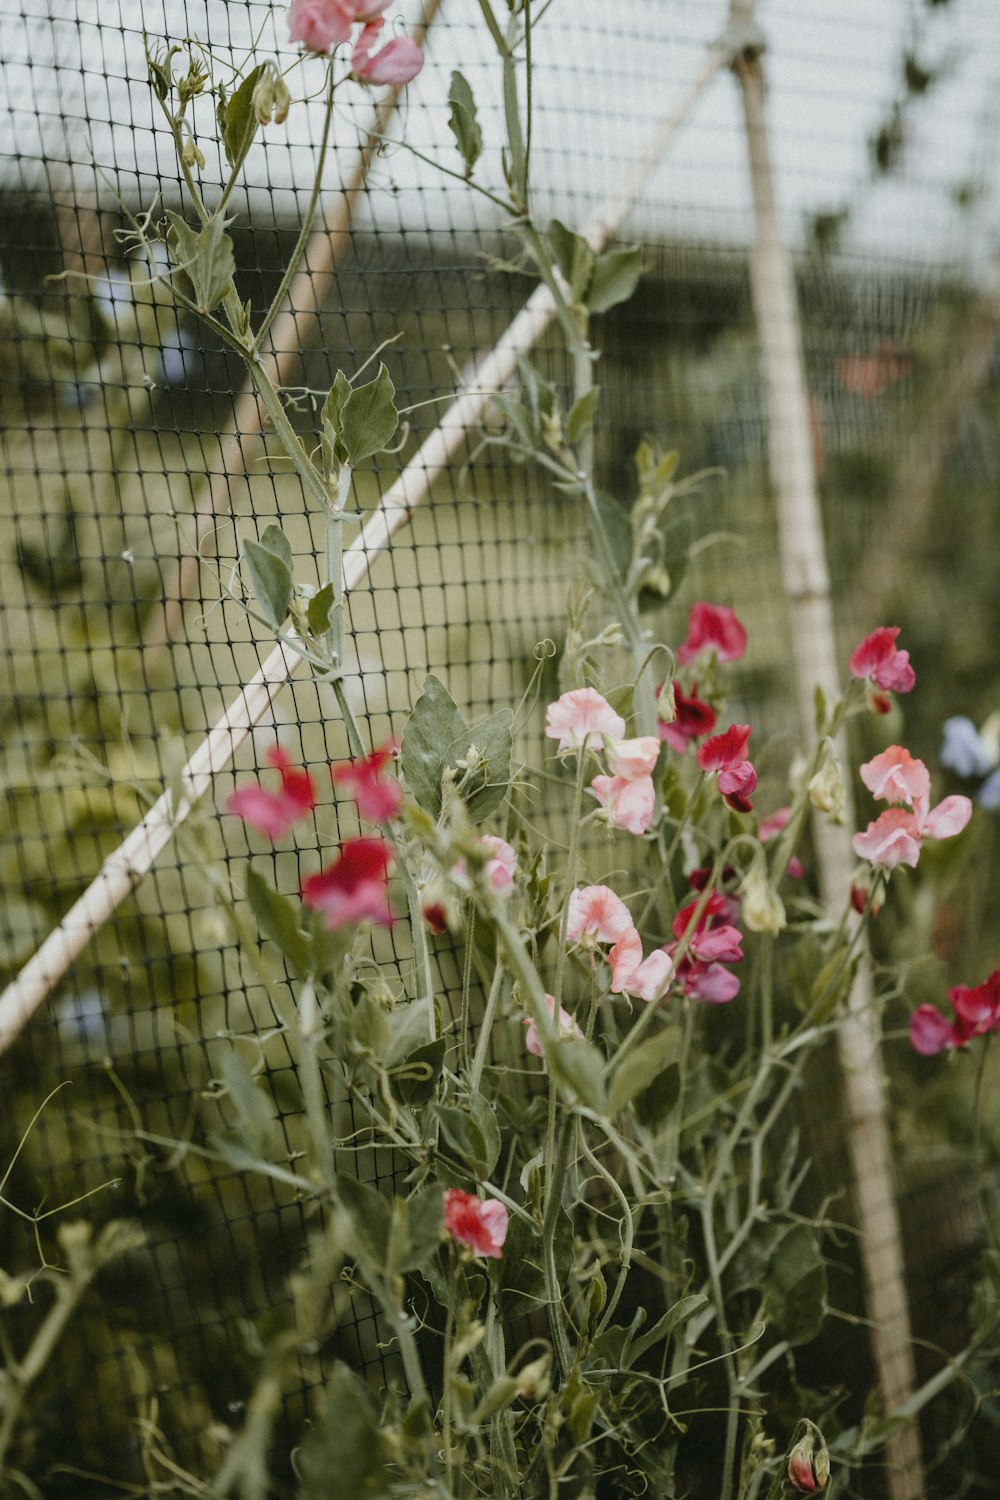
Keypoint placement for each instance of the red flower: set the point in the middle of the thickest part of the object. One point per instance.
(377, 798)
(273, 813)
(482, 1226)
(355, 887)
(879, 661)
(692, 719)
(700, 972)
(713, 627)
(976, 1010)
(726, 754)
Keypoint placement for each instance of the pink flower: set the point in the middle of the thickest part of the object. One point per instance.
(627, 804)
(582, 716)
(713, 627)
(709, 983)
(726, 754)
(692, 719)
(397, 62)
(596, 915)
(377, 798)
(355, 887)
(624, 958)
(273, 813)
(976, 1010)
(633, 759)
(895, 776)
(947, 819)
(879, 661)
(929, 1031)
(567, 1028)
(319, 24)
(700, 971)
(501, 863)
(482, 1226)
(893, 839)
(650, 979)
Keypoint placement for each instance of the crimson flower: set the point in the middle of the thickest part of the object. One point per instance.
(355, 887)
(480, 1225)
(726, 754)
(692, 719)
(396, 62)
(378, 799)
(700, 973)
(713, 627)
(273, 813)
(976, 1010)
(881, 663)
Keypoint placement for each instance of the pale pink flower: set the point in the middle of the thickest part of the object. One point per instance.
(480, 1225)
(896, 776)
(596, 915)
(650, 979)
(624, 958)
(878, 660)
(582, 715)
(627, 804)
(633, 759)
(501, 863)
(713, 627)
(399, 61)
(947, 819)
(567, 1027)
(319, 24)
(274, 813)
(892, 839)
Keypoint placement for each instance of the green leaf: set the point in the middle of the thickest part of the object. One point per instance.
(484, 1116)
(410, 1027)
(795, 1286)
(579, 1066)
(434, 724)
(574, 257)
(664, 1327)
(270, 578)
(618, 530)
(463, 121)
(658, 1101)
(641, 1066)
(278, 919)
(370, 1216)
(467, 1139)
(254, 1110)
(205, 256)
(318, 610)
(615, 276)
(368, 418)
(582, 413)
(414, 1080)
(238, 119)
(493, 740)
(331, 418)
(580, 1402)
(346, 1452)
(425, 1227)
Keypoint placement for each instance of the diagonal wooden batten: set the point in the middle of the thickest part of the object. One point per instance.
(814, 650)
(124, 869)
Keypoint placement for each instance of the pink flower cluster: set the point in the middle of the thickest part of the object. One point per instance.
(582, 720)
(976, 1010)
(879, 662)
(896, 836)
(597, 916)
(566, 1026)
(323, 24)
(481, 1225)
(272, 813)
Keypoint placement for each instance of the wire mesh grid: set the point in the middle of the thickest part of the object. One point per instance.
(115, 421)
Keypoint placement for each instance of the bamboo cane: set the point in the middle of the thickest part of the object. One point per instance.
(125, 868)
(807, 585)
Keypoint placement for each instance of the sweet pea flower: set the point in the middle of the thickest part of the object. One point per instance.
(930, 1032)
(377, 798)
(273, 813)
(726, 755)
(319, 24)
(596, 915)
(624, 958)
(631, 760)
(882, 664)
(581, 717)
(480, 1225)
(692, 719)
(713, 627)
(896, 836)
(649, 980)
(626, 803)
(355, 887)
(397, 62)
(976, 1009)
(566, 1026)
(897, 776)
(700, 972)
(500, 864)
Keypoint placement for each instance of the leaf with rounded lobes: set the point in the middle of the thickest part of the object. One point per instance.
(795, 1285)
(641, 1066)
(616, 274)
(205, 256)
(345, 1452)
(433, 725)
(368, 418)
(463, 121)
(238, 119)
(277, 918)
(270, 577)
(574, 257)
(493, 739)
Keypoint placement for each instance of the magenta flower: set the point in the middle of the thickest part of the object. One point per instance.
(355, 887)
(567, 1027)
(378, 798)
(627, 804)
(879, 662)
(713, 627)
(726, 754)
(397, 62)
(596, 915)
(692, 719)
(976, 1009)
(713, 943)
(273, 813)
(582, 716)
(930, 1032)
(479, 1225)
(319, 24)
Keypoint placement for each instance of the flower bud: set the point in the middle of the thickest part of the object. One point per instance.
(191, 156)
(826, 789)
(666, 703)
(809, 1463)
(761, 908)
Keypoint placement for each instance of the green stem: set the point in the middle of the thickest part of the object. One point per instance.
(310, 1031)
(553, 1206)
(464, 1023)
(482, 1045)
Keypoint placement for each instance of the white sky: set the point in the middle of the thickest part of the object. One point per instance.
(73, 90)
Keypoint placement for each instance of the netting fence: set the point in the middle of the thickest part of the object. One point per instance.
(134, 461)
